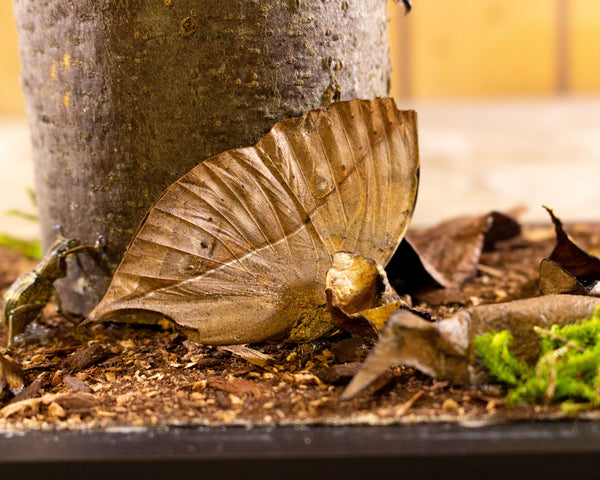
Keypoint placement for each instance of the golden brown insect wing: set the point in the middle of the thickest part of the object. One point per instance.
(237, 250)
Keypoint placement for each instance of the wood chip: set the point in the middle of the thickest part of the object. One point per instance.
(32, 390)
(56, 411)
(406, 406)
(91, 355)
(77, 401)
(207, 362)
(450, 404)
(251, 355)
(21, 407)
(235, 385)
(339, 374)
(76, 385)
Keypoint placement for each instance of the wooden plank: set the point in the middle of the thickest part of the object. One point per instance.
(399, 38)
(584, 45)
(483, 47)
(12, 101)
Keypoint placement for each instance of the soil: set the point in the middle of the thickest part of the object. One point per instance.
(120, 375)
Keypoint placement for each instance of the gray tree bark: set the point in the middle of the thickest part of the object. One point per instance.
(125, 96)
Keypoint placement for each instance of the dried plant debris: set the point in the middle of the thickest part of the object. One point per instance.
(11, 376)
(237, 250)
(569, 268)
(448, 254)
(54, 406)
(359, 295)
(156, 377)
(90, 355)
(445, 349)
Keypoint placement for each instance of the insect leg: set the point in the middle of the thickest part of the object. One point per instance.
(11, 332)
(98, 246)
(11, 320)
(58, 306)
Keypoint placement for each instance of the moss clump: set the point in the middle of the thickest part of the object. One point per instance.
(567, 369)
(499, 360)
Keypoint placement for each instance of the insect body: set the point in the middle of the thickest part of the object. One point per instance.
(29, 294)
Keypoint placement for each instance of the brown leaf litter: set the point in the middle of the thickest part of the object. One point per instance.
(154, 377)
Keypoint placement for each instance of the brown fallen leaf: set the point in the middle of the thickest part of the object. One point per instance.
(447, 255)
(11, 376)
(569, 268)
(359, 295)
(236, 251)
(444, 349)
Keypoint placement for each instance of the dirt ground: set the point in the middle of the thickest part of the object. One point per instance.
(121, 375)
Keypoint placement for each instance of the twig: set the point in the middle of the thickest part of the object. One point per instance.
(543, 332)
(406, 406)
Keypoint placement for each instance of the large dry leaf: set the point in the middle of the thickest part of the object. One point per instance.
(237, 250)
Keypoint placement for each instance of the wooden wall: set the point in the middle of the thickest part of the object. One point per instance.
(476, 48)
(450, 48)
(12, 101)
(584, 26)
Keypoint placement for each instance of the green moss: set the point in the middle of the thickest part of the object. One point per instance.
(502, 365)
(566, 371)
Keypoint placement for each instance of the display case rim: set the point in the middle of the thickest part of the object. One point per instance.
(528, 449)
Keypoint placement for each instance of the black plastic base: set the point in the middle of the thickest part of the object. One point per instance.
(507, 451)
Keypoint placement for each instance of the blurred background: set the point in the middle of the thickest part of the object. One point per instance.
(508, 97)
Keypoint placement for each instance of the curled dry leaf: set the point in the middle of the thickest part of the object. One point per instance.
(11, 376)
(359, 294)
(447, 255)
(569, 269)
(236, 251)
(445, 349)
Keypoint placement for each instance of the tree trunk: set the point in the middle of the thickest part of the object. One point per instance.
(125, 96)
